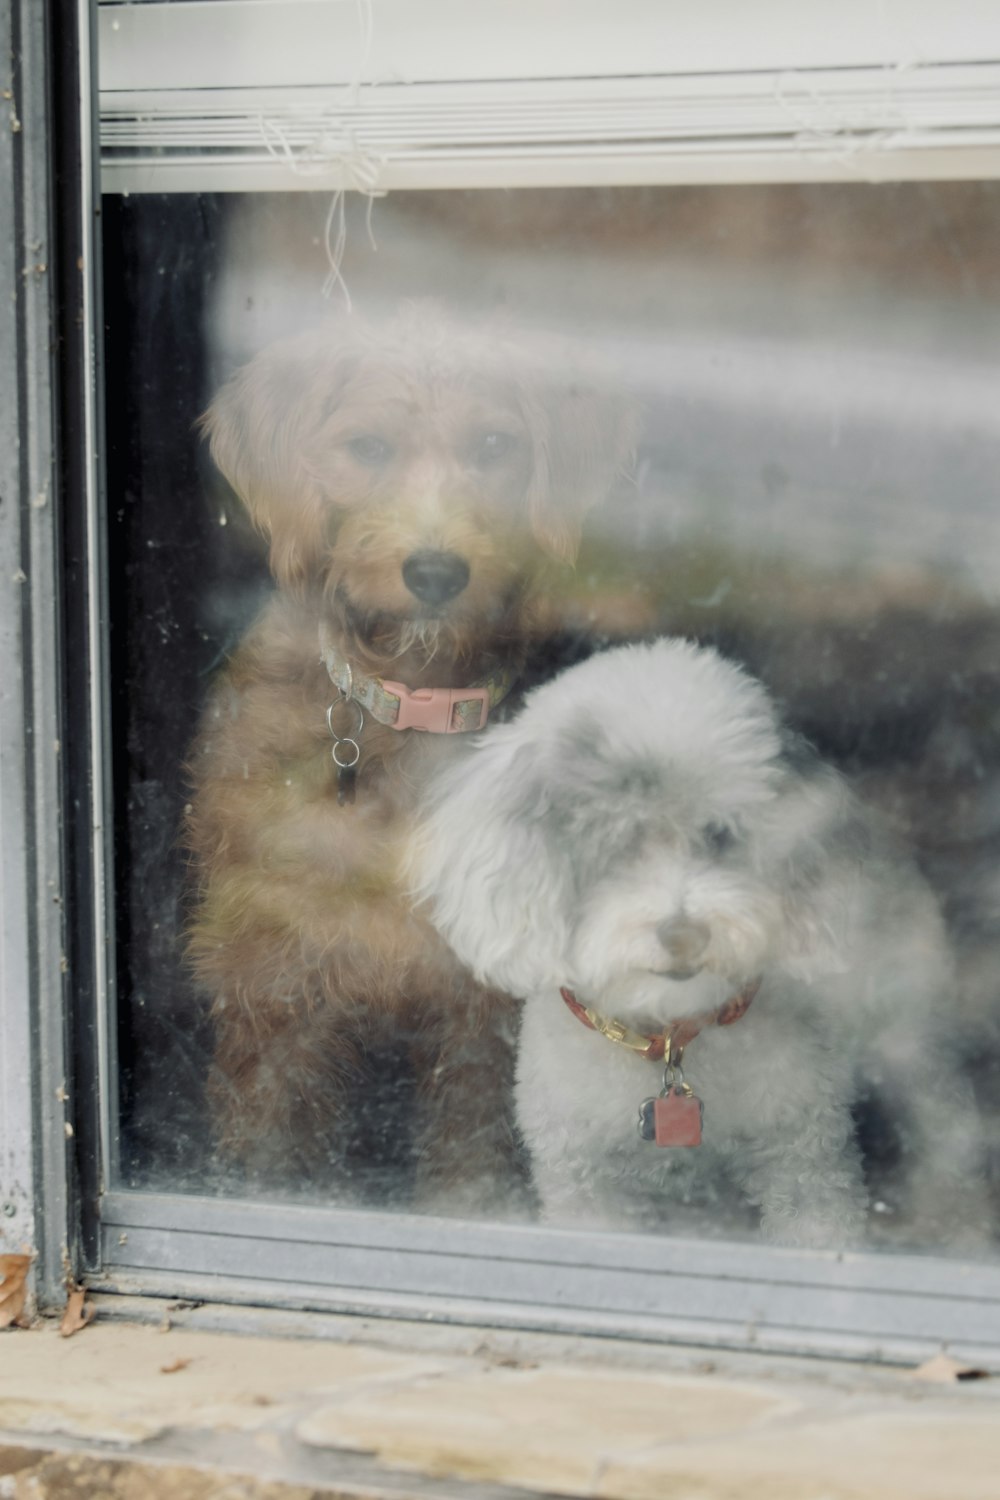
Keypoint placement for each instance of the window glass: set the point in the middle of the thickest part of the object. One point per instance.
(479, 441)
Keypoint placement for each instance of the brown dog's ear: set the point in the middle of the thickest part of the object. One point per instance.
(584, 440)
(259, 426)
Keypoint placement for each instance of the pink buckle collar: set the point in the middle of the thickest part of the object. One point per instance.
(433, 709)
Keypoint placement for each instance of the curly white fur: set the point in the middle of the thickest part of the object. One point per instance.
(649, 834)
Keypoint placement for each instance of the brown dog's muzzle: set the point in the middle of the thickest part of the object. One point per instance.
(435, 577)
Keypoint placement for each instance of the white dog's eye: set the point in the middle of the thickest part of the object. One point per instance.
(370, 450)
(492, 448)
(717, 838)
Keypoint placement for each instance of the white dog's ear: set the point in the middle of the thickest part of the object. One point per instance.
(816, 843)
(583, 441)
(487, 861)
(259, 426)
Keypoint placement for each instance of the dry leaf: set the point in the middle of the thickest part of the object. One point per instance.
(13, 1289)
(174, 1366)
(944, 1369)
(78, 1313)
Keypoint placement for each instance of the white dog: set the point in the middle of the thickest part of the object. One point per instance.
(645, 852)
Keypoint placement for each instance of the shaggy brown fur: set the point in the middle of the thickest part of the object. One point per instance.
(354, 449)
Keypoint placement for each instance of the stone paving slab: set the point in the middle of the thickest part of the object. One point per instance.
(119, 1383)
(882, 1456)
(652, 1437)
(553, 1428)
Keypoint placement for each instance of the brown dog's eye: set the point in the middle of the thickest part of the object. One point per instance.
(370, 450)
(492, 448)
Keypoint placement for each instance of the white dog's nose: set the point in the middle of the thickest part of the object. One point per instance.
(685, 941)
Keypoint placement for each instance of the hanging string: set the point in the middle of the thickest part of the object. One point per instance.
(335, 145)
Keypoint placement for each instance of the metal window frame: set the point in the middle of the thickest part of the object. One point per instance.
(36, 1178)
(890, 1308)
(859, 1305)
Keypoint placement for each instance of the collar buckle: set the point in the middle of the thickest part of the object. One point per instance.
(434, 709)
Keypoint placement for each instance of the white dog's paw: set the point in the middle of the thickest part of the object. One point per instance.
(815, 1231)
(950, 1216)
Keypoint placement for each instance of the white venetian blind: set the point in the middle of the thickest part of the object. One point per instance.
(383, 94)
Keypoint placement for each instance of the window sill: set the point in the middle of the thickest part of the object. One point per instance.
(395, 1409)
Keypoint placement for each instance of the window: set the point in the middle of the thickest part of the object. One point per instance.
(713, 322)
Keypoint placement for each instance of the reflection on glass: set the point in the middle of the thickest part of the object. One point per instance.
(551, 423)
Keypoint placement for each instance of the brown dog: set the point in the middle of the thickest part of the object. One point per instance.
(414, 482)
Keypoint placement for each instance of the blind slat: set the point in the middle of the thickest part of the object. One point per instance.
(253, 93)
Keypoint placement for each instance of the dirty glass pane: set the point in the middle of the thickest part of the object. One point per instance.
(479, 440)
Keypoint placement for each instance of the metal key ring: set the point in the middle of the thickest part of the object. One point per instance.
(360, 725)
(673, 1077)
(345, 765)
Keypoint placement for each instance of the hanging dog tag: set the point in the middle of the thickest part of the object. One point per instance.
(672, 1119)
(346, 753)
(677, 1118)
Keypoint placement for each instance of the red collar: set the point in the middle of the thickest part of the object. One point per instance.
(677, 1033)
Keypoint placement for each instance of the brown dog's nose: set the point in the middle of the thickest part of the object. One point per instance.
(685, 941)
(435, 577)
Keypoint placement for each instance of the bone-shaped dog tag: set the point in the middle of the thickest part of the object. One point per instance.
(672, 1119)
(647, 1120)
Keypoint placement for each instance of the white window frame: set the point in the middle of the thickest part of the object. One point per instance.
(857, 1305)
(388, 94)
